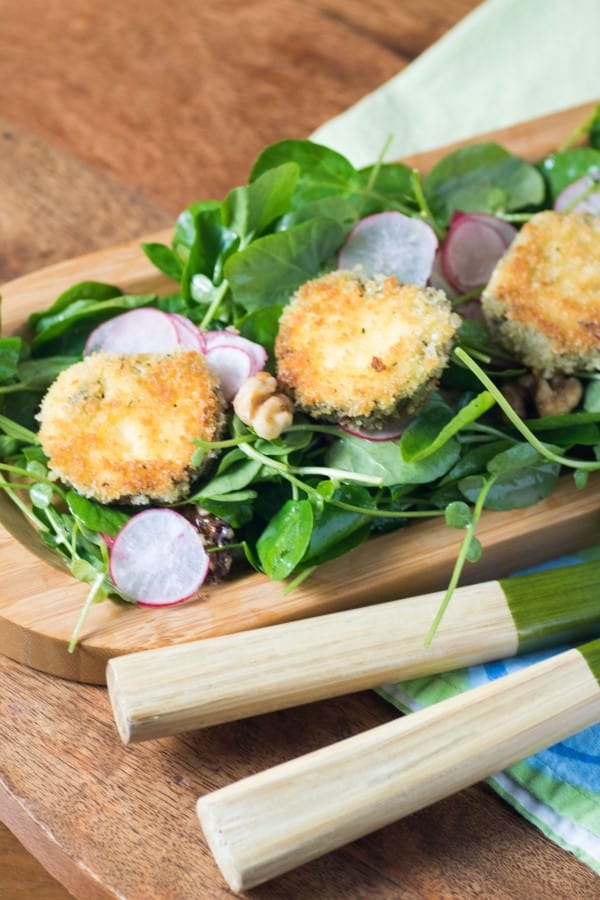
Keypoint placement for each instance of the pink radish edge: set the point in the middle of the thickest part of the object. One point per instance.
(158, 559)
(575, 196)
(473, 246)
(229, 338)
(391, 430)
(232, 365)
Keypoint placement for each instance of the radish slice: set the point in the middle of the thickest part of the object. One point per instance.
(232, 365)
(143, 330)
(437, 280)
(158, 558)
(575, 196)
(390, 243)
(506, 231)
(227, 338)
(189, 334)
(473, 246)
(391, 430)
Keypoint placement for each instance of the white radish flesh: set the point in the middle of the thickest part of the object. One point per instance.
(232, 365)
(226, 338)
(473, 246)
(158, 558)
(391, 243)
(143, 330)
(580, 196)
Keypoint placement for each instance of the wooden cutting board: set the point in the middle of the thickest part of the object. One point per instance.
(40, 603)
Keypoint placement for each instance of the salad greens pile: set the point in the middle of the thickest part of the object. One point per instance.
(317, 491)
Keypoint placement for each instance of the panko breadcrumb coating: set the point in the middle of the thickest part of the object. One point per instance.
(358, 350)
(543, 299)
(120, 427)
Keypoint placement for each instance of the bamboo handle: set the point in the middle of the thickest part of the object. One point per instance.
(179, 688)
(269, 823)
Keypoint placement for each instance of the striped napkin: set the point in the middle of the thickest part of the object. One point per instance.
(507, 62)
(558, 789)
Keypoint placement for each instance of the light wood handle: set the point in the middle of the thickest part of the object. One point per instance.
(173, 689)
(269, 823)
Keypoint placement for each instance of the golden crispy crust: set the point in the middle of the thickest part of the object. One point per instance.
(544, 296)
(358, 349)
(121, 427)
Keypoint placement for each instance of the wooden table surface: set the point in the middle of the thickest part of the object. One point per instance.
(113, 118)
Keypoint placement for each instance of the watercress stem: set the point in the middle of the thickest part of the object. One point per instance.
(460, 561)
(518, 423)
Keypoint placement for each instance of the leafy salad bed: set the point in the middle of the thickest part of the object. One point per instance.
(317, 491)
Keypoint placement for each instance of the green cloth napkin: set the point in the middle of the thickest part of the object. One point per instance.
(508, 61)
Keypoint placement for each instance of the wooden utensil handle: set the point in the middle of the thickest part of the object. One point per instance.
(202, 683)
(265, 825)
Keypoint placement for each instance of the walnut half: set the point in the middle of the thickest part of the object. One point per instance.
(260, 404)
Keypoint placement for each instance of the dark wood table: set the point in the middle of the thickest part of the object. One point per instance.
(114, 117)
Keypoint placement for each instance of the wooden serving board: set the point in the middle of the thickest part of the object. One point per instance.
(40, 603)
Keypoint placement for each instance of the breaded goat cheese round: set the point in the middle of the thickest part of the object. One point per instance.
(120, 427)
(357, 350)
(543, 299)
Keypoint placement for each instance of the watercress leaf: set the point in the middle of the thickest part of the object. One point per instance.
(384, 460)
(515, 488)
(565, 435)
(387, 186)
(249, 209)
(236, 477)
(594, 130)
(474, 550)
(563, 168)
(475, 460)
(185, 227)
(458, 514)
(18, 432)
(591, 398)
(518, 457)
(213, 242)
(430, 432)
(38, 374)
(165, 259)
(84, 290)
(268, 271)
(66, 331)
(470, 178)
(236, 513)
(323, 172)
(8, 446)
(103, 519)
(424, 426)
(580, 478)
(10, 353)
(40, 494)
(283, 543)
(333, 527)
(340, 209)
(262, 326)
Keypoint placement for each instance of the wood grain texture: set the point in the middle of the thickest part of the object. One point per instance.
(38, 623)
(154, 130)
(272, 822)
(113, 821)
(239, 675)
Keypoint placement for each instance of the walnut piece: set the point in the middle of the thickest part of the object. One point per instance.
(533, 394)
(260, 404)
